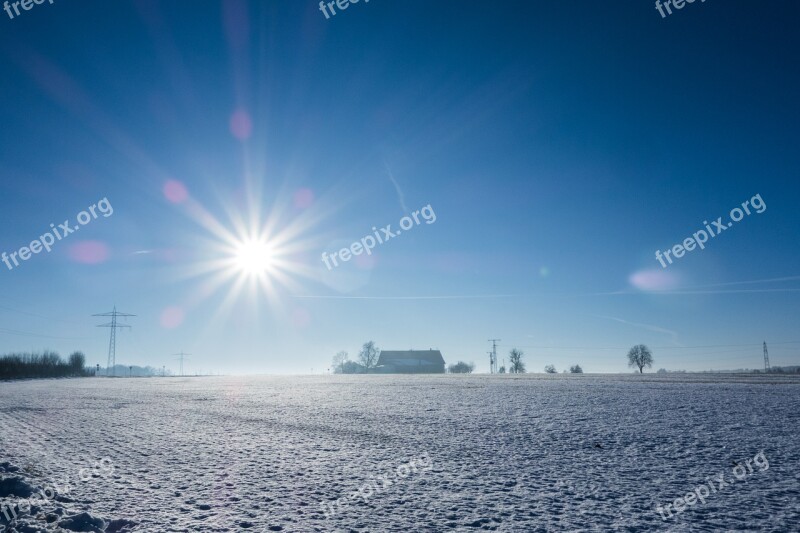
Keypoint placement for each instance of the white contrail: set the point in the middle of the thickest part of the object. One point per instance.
(649, 327)
(450, 297)
(700, 289)
(686, 290)
(400, 196)
(681, 291)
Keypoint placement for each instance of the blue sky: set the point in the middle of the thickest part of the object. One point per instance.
(559, 145)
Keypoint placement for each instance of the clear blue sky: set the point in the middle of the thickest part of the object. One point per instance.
(560, 144)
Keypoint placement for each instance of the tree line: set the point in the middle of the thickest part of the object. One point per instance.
(639, 356)
(47, 364)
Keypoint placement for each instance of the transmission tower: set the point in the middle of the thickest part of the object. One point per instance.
(112, 342)
(493, 356)
(766, 358)
(182, 356)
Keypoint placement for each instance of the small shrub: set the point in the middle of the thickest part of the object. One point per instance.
(461, 368)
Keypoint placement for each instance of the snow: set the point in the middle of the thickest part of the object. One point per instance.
(459, 453)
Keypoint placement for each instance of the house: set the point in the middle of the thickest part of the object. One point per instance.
(410, 362)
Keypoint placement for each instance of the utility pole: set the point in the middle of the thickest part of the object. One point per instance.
(112, 343)
(493, 356)
(182, 355)
(766, 359)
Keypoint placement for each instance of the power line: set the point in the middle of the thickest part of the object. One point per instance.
(37, 315)
(654, 348)
(29, 334)
(21, 312)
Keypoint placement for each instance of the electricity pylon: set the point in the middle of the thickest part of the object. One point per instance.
(112, 342)
(766, 358)
(182, 355)
(493, 356)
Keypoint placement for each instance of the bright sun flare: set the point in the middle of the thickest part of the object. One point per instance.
(254, 257)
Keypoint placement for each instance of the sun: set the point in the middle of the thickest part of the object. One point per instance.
(254, 257)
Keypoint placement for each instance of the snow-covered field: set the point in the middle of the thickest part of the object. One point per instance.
(437, 453)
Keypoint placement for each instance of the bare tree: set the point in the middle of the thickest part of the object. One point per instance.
(338, 362)
(550, 369)
(576, 369)
(517, 366)
(77, 361)
(640, 356)
(368, 356)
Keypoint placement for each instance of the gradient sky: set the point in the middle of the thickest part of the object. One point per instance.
(560, 144)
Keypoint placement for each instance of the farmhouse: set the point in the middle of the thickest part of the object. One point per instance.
(410, 362)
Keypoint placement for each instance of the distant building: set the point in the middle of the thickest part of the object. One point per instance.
(410, 362)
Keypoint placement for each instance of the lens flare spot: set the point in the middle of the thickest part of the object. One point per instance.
(654, 280)
(89, 252)
(301, 318)
(303, 198)
(241, 125)
(175, 191)
(172, 317)
(366, 262)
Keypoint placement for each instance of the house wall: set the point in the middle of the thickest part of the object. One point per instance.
(406, 366)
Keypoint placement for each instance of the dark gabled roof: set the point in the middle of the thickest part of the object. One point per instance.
(428, 356)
